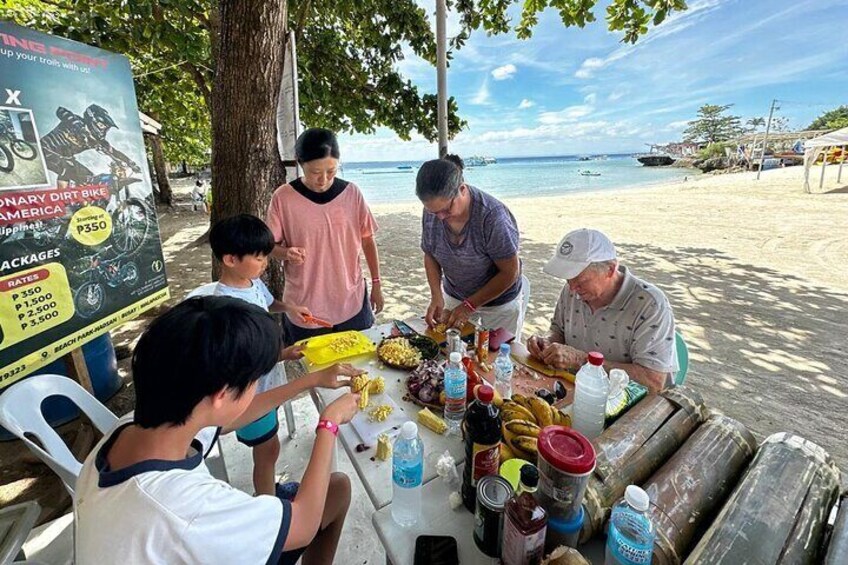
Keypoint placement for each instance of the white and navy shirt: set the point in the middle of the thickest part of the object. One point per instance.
(636, 327)
(172, 512)
(258, 295)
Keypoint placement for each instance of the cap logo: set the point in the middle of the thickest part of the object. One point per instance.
(566, 248)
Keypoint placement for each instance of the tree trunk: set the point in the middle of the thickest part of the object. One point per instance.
(161, 168)
(246, 166)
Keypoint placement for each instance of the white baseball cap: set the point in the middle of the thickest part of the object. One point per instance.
(577, 250)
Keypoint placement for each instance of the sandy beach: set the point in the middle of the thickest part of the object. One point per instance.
(754, 271)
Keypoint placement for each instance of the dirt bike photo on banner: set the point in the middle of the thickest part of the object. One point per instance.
(80, 251)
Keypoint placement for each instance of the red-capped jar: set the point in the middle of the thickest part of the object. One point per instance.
(566, 460)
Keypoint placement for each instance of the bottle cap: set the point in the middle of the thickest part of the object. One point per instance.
(484, 393)
(505, 348)
(637, 498)
(567, 449)
(530, 476)
(455, 357)
(596, 358)
(409, 430)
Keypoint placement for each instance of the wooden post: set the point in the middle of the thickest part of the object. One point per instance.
(635, 446)
(778, 512)
(77, 369)
(691, 487)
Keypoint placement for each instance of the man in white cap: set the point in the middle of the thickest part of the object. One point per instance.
(604, 308)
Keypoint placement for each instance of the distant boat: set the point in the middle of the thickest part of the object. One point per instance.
(589, 173)
(479, 161)
(655, 159)
(584, 158)
(405, 167)
(600, 158)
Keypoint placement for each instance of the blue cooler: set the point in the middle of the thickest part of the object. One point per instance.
(103, 370)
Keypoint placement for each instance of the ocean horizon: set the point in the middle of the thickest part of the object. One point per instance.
(511, 177)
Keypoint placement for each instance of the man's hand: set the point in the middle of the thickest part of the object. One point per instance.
(377, 298)
(335, 376)
(536, 345)
(435, 312)
(295, 255)
(342, 410)
(291, 353)
(297, 313)
(457, 317)
(561, 356)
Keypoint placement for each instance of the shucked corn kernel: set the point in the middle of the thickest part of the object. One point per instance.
(380, 413)
(342, 343)
(384, 448)
(363, 398)
(359, 382)
(377, 385)
(399, 352)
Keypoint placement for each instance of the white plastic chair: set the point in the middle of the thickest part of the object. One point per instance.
(20, 413)
(208, 289)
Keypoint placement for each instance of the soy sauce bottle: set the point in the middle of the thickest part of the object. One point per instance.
(482, 427)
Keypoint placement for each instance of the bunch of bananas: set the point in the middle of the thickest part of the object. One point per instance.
(522, 420)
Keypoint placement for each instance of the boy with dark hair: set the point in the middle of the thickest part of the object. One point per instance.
(144, 496)
(242, 244)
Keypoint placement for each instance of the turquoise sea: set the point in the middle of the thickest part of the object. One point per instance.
(383, 182)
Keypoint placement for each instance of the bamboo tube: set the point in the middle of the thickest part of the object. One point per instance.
(691, 487)
(635, 446)
(777, 513)
(837, 552)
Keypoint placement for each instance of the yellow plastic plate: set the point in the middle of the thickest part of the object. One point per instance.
(319, 350)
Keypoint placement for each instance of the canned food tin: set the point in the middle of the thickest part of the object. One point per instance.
(492, 493)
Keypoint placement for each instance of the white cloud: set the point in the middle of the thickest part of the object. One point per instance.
(570, 114)
(482, 96)
(526, 104)
(589, 66)
(505, 72)
(678, 125)
(590, 99)
(616, 95)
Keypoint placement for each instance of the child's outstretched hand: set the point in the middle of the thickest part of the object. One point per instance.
(291, 353)
(297, 313)
(342, 410)
(336, 376)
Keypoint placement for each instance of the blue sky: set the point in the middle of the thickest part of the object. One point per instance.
(574, 91)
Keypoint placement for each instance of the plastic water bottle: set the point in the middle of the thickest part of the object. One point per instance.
(455, 393)
(591, 389)
(503, 372)
(407, 475)
(630, 540)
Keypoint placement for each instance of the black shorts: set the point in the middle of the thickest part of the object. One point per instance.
(66, 168)
(363, 320)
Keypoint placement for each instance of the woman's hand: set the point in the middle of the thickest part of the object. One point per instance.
(536, 345)
(335, 376)
(563, 356)
(297, 313)
(295, 255)
(377, 297)
(342, 410)
(457, 317)
(291, 353)
(435, 312)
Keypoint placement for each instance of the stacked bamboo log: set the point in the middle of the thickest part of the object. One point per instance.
(635, 446)
(778, 512)
(689, 490)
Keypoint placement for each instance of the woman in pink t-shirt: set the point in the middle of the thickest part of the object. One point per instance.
(320, 224)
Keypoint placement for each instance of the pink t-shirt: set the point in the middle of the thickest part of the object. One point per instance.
(329, 282)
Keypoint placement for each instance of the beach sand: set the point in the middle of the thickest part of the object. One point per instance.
(755, 272)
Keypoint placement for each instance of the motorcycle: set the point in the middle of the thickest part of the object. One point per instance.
(100, 273)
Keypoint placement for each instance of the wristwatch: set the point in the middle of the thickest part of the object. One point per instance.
(327, 425)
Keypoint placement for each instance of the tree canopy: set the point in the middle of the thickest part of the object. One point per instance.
(348, 54)
(712, 125)
(832, 119)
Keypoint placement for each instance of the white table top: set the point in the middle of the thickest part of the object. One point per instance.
(376, 476)
(438, 519)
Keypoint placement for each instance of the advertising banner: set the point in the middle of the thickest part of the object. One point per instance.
(79, 240)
